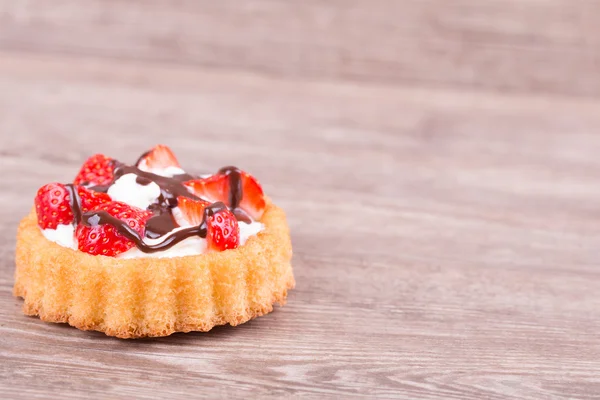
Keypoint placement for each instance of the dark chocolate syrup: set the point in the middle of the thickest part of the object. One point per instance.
(162, 221)
(170, 188)
(95, 218)
(140, 180)
(74, 202)
(236, 192)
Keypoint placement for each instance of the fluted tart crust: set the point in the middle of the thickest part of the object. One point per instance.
(139, 297)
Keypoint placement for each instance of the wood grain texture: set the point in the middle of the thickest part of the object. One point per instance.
(508, 45)
(446, 241)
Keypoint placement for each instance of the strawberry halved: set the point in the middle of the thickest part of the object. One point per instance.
(91, 199)
(190, 211)
(96, 170)
(250, 197)
(53, 204)
(105, 239)
(213, 188)
(253, 200)
(222, 229)
(160, 157)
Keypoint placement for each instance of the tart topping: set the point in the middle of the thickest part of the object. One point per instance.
(102, 217)
(160, 160)
(190, 212)
(143, 196)
(174, 205)
(159, 157)
(95, 237)
(239, 190)
(56, 204)
(96, 170)
(223, 232)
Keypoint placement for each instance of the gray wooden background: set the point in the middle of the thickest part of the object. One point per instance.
(438, 161)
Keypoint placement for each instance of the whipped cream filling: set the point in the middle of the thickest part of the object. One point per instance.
(127, 190)
(64, 235)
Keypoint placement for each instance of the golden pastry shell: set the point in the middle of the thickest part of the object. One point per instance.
(132, 298)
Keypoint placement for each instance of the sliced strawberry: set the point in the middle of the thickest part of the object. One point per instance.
(53, 204)
(190, 211)
(160, 157)
(90, 199)
(96, 170)
(213, 188)
(253, 200)
(223, 231)
(105, 239)
(218, 187)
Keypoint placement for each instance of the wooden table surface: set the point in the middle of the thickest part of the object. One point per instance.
(439, 162)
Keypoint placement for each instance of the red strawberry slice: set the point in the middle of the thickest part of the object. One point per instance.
(253, 199)
(222, 229)
(105, 239)
(159, 157)
(218, 188)
(213, 188)
(90, 199)
(191, 210)
(53, 204)
(96, 170)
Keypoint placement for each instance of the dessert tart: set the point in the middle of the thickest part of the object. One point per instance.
(148, 249)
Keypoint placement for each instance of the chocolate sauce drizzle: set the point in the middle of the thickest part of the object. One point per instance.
(74, 202)
(236, 192)
(162, 221)
(95, 218)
